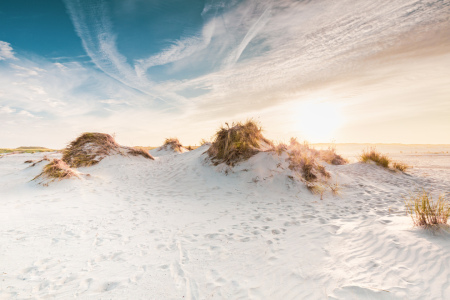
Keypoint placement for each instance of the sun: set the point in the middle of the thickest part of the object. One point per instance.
(318, 121)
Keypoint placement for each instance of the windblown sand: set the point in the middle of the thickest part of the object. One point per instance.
(178, 228)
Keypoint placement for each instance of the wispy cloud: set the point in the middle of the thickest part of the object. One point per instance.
(6, 110)
(6, 51)
(248, 58)
(181, 49)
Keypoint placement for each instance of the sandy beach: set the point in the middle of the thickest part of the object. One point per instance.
(178, 228)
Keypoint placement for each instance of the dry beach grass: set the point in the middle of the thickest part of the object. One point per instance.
(372, 155)
(236, 143)
(88, 149)
(56, 170)
(172, 143)
(427, 212)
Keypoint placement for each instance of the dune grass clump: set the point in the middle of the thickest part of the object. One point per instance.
(304, 162)
(33, 163)
(316, 188)
(382, 160)
(427, 212)
(56, 170)
(400, 166)
(237, 143)
(88, 149)
(138, 151)
(373, 155)
(330, 156)
(172, 143)
(280, 148)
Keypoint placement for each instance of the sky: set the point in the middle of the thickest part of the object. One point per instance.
(348, 71)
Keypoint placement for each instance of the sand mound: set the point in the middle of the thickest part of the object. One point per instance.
(90, 148)
(170, 146)
(307, 161)
(237, 143)
(56, 170)
(174, 145)
(300, 162)
(304, 161)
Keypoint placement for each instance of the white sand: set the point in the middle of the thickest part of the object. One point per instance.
(177, 228)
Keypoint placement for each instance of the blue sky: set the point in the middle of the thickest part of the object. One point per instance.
(353, 71)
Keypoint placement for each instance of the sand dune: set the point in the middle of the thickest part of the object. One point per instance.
(178, 228)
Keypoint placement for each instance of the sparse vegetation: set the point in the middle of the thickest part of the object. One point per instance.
(303, 160)
(373, 155)
(91, 147)
(400, 166)
(88, 149)
(25, 150)
(381, 160)
(56, 170)
(335, 188)
(45, 158)
(427, 212)
(138, 151)
(330, 156)
(237, 143)
(172, 143)
(294, 142)
(33, 148)
(280, 148)
(316, 188)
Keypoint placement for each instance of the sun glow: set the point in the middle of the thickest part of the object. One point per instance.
(318, 121)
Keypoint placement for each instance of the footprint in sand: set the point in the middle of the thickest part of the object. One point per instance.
(110, 286)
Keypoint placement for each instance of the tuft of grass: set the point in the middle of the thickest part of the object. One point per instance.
(335, 188)
(88, 149)
(56, 170)
(304, 161)
(41, 160)
(280, 148)
(373, 155)
(400, 166)
(237, 143)
(427, 212)
(381, 160)
(330, 156)
(295, 143)
(316, 189)
(136, 151)
(172, 143)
